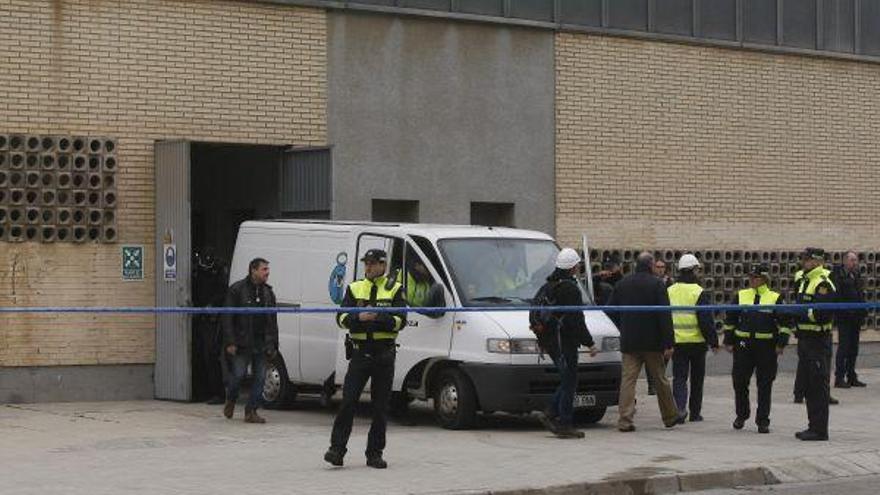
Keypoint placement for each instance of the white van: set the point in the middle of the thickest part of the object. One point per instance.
(465, 361)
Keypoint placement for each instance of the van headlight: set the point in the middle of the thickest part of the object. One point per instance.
(513, 346)
(611, 344)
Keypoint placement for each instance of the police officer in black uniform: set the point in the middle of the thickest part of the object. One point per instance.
(372, 350)
(813, 330)
(755, 338)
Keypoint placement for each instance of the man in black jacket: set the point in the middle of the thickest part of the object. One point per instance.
(849, 322)
(562, 345)
(249, 338)
(646, 338)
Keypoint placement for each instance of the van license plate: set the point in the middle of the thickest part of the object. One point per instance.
(584, 400)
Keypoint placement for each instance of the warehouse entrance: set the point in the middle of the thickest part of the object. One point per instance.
(204, 191)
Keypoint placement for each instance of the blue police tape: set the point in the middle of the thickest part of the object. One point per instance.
(788, 308)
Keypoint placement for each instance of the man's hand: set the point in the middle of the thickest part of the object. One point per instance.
(593, 350)
(367, 316)
(729, 348)
(667, 353)
(230, 349)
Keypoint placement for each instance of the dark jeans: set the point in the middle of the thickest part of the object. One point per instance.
(758, 357)
(239, 363)
(688, 360)
(562, 402)
(847, 350)
(369, 361)
(814, 364)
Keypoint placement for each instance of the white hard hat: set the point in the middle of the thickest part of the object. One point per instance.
(567, 259)
(688, 262)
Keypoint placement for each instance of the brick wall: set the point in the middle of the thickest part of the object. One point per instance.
(140, 71)
(662, 145)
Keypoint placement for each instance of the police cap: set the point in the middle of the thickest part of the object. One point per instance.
(375, 255)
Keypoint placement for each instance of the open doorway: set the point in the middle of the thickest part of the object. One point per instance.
(204, 191)
(230, 184)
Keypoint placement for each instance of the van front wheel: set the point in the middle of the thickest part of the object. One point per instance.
(455, 401)
(589, 416)
(278, 391)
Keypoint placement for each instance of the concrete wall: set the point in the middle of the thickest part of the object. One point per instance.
(76, 383)
(444, 113)
(139, 71)
(661, 145)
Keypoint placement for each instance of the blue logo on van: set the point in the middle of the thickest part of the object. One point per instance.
(336, 285)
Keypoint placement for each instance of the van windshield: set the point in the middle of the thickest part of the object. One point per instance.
(498, 271)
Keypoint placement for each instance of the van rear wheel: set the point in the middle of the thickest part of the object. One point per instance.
(278, 392)
(455, 401)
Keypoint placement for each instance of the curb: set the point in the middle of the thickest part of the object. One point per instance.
(651, 485)
(804, 469)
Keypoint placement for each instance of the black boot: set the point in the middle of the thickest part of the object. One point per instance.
(376, 461)
(334, 456)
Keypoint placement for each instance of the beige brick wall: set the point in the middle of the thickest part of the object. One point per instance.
(139, 70)
(662, 145)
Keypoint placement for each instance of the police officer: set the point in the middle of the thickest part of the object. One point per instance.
(694, 330)
(813, 330)
(371, 343)
(800, 379)
(755, 338)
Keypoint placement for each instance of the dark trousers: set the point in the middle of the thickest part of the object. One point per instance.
(368, 361)
(847, 350)
(688, 360)
(239, 365)
(814, 364)
(759, 357)
(562, 402)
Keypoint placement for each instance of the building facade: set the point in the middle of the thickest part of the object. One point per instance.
(658, 124)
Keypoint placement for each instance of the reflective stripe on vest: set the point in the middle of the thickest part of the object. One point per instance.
(685, 323)
(815, 277)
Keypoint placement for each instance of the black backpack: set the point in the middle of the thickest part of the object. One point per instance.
(544, 321)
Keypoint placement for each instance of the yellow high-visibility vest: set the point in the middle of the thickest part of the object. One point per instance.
(685, 323)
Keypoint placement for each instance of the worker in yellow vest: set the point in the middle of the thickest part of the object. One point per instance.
(372, 350)
(813, 330)
(756, 339)
(694, 332)
(800, 378)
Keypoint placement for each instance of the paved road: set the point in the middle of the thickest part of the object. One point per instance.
(720, 364)
(169, 448)
(861, 485)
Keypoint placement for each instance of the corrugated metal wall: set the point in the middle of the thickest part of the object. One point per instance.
(173, 371)
(306, 181)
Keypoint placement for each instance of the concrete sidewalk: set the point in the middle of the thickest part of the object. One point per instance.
(164, 447)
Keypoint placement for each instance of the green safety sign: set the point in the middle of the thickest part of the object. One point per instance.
(132, 262)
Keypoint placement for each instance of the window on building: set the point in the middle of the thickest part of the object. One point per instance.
(395, 210)
(583, 12)
(376, 2)
(717, 19)
(628, 14)
(799, 23)
(870, 27)
(674, 17)
(426, 4)
(759, 21)
(539, 10)
(484, 7)
(837, 23)
(492, 214)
